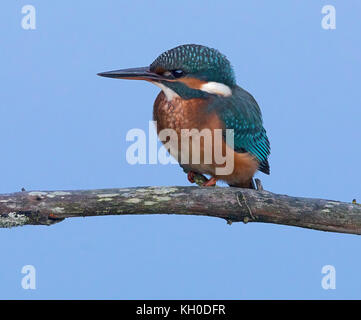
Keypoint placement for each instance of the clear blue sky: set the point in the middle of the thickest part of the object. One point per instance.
(62, 127)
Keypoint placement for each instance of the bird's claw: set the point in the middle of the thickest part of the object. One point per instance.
(210, 183)
(199, 179)
(190, 176)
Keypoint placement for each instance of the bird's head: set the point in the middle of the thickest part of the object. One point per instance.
(188, 71)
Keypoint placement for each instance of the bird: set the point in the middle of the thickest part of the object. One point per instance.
(199, 91)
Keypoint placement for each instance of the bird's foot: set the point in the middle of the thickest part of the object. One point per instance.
(210, 183)
(200, 179)
(190, 176)
(194, 177)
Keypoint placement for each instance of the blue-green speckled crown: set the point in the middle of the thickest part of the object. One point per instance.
(199, 61)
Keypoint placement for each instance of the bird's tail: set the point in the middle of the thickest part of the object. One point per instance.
(264, 167)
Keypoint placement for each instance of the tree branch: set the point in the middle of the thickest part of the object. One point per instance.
(231, 204)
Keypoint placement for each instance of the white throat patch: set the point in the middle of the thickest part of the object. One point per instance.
(169, 93)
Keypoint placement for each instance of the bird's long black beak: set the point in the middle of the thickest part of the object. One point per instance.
(143, 73)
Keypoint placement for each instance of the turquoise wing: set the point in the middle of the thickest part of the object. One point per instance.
(241, 113)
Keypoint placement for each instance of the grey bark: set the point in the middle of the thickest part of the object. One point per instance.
(231, 204)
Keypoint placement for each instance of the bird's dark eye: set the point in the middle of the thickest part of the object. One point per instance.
(177, 73)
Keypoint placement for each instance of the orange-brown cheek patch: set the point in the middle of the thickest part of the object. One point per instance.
(192, 82)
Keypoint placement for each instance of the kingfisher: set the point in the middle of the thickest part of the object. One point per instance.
(199, 91)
